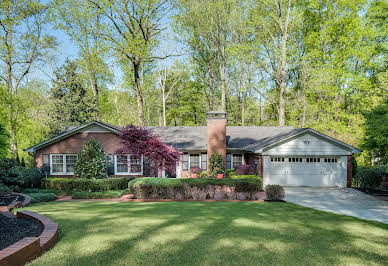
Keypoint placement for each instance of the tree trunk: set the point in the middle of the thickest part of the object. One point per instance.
(93, 81)
(164, 106)
(139, 96)
(211, 89)
(223, 80)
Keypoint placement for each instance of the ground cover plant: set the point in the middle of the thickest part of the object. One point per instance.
(209, 233)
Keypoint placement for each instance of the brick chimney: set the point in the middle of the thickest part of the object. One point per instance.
(216, 133)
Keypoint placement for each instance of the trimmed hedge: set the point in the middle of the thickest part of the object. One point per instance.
(42, 197)
(90, 185)
(369, 177)
(42, 190)
(165, 188)
(98, 195)
(245, 177)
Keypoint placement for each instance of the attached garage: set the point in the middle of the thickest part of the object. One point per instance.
(307, 159)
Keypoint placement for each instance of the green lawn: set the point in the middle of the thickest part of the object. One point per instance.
(208, 233)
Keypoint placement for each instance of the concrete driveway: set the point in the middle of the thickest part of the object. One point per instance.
(345, 201)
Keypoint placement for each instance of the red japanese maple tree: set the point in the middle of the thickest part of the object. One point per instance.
(141, 141)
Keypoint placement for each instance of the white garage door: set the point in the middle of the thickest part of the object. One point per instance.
(305, 171)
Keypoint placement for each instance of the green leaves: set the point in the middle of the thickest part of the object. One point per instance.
(91, 162)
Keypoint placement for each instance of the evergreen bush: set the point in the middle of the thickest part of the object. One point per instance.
(216, 165)
(91, 162)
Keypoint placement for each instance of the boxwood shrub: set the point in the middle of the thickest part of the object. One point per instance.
(91, 185)
(42, 197)
(165, 188)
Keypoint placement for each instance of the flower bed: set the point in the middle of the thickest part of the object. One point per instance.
(196, 189)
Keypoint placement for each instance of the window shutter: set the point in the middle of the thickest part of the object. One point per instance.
(228, 161)
(204, 161)
(46, 160)
(111, 166)
(185, 161)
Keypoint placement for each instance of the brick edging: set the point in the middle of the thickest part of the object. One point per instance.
(29, 248)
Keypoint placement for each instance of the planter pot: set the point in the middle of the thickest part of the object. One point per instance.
(194, 175)
(220, 175)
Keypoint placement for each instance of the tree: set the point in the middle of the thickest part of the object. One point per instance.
(216, 164)
(22, 43)
(141, 141)
(79, 21)
(91, 161)
(71, 104)
(376, 132)
(132, 28)
(4, 144)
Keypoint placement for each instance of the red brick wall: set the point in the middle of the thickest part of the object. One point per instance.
(349, 171)
(111, 142)
(216, 138)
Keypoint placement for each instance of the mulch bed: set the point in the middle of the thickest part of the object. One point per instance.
(12, 230)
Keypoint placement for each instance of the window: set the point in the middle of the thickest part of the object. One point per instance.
(195, 161)
(313, 160)
(295, 160)
(330, 160)
(128, 164)
(277, 159)
(237, 159)
(203, 161)
(228, 161)
(185, 161)
(62, 164)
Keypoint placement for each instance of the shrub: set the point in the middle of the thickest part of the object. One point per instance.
(195, 170)
(369, 177)
(4, 190)
(42, 190)
(245, 177)
(274, 192)
(98, 195)
(91, 185)
(245, 169)
(91, 162)
(216, 164)
(204, 174)
(42, 197)
(32, 177)
(384, 183)
(11, 174)
(229, 173)
(162, 188)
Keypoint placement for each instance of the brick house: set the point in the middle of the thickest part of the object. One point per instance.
(281, 155)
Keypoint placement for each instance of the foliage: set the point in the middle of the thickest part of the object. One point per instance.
(4, 190)
(230, 172)
(244, 177)
(195, 170)
(162, 188)
(245, 169)
(369, 177)
(216, 164)
(90, 185)
(384, 183)
(141, 141)
(71, 103)
(376, 131)
(4, 138)
(42, 197)
(43, 190)
(98, 195)
(11, 174)
(91, 161)
(204, 174)
(274, 192)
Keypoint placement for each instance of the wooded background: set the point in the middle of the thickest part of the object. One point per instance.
(318, 64)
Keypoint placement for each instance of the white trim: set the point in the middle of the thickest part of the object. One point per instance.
(129, 165)
(309, 130)
(63, 164)
(231, 159)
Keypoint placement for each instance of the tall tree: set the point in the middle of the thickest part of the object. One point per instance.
(80, 22)
(21, 45)
(132, 28)
(71, 103)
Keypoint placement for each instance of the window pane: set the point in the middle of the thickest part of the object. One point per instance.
(70, 162)
(185, 161)
(194, 160)
(135, 162)
(57, 163)
(122, 164)
(237, 160)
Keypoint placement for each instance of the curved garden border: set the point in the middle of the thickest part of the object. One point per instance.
(29, 248)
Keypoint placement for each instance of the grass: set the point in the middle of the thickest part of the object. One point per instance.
(209, 233)
(98, 195)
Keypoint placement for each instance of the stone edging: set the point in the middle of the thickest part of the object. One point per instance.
(29, 248)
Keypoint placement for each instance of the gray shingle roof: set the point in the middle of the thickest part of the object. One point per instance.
(244, 138)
